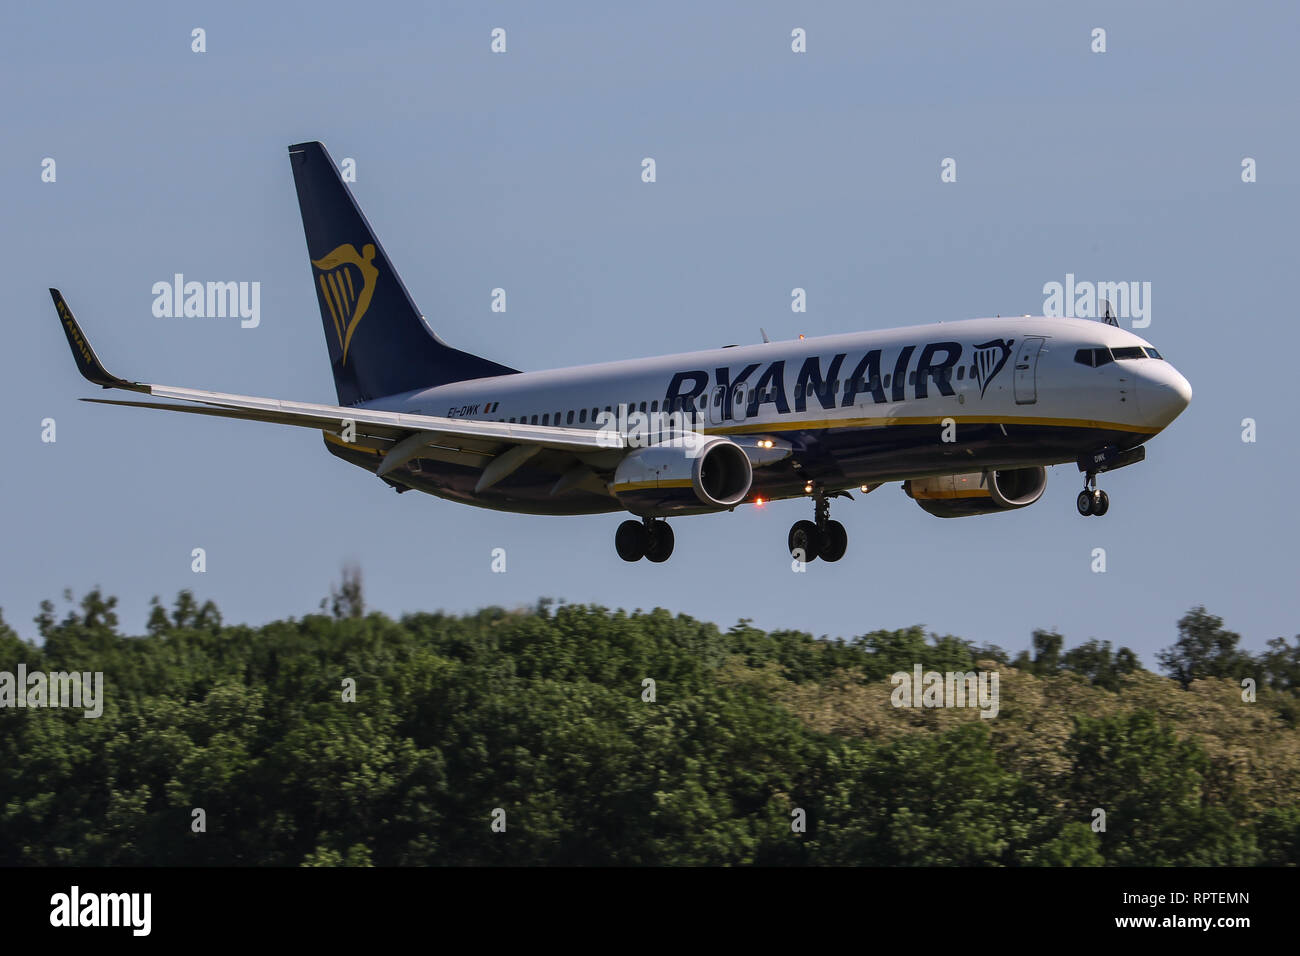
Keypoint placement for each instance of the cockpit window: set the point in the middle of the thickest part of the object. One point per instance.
(1153, 353)
(1093, 358)
(1130, 352)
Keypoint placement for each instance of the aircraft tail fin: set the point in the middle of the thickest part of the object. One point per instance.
(378, 342)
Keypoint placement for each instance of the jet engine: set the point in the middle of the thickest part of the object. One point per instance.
(683, 477)
(978, 493)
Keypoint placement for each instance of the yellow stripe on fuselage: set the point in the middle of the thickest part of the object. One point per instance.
(838, 424)
(884, 422)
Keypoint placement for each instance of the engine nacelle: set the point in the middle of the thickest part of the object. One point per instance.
(978, 493)
(713, 474)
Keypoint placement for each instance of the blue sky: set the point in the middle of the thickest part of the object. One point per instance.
(522, 170)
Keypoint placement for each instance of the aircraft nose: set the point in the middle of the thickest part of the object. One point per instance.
(1162, 392)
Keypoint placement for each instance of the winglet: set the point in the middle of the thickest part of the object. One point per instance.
(88, 363)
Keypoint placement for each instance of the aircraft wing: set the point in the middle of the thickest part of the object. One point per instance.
(401, 435)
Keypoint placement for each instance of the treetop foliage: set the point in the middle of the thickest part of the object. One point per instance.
(546, 714)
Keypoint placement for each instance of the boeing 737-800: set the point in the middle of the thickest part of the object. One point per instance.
(966, 414)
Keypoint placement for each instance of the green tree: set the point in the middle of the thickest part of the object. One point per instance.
(1203, 649)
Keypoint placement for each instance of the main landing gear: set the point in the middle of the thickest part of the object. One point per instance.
(649, 538)
(821, 537)
(1092, 500)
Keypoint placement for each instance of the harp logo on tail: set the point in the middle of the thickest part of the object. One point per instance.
(347, 282)
(990, 356)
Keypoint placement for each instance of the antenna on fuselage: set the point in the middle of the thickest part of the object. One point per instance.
(1108, 314)
(763, 332)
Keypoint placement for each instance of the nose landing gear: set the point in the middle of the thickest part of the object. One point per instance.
(821, 537)
(1092, 500)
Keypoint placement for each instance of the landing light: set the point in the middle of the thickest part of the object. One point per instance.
(807, 489)
(865, 489)
(759, 502)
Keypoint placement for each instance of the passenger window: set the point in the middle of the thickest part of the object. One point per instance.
(887, 381)
(534, 420)
(973, 371)
(961, 373)
(582, 417)
(643, 406)
(546, 419)
(568, 419)
(911, 378)
(654, 406)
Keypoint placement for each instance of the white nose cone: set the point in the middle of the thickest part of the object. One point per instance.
(1162, 392)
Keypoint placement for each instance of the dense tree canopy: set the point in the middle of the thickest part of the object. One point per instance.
(579, 735)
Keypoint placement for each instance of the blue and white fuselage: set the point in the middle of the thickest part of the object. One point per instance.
(966, 414)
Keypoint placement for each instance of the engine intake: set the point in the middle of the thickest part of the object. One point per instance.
(978, 493)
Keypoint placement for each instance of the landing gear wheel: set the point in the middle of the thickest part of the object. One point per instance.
(1084, 502)
(630, 541)
(804, 538)
(1100, 503)
(659, 542)
(834, 541)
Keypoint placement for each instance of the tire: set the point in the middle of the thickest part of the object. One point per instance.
(659, 542)
(1101, 504)
(804, 537)
(834, 541)
(630, 541)
(1084, 503)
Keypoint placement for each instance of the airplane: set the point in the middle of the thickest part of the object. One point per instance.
(967, 414)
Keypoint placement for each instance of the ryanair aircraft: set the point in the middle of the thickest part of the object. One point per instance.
(965, 414)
